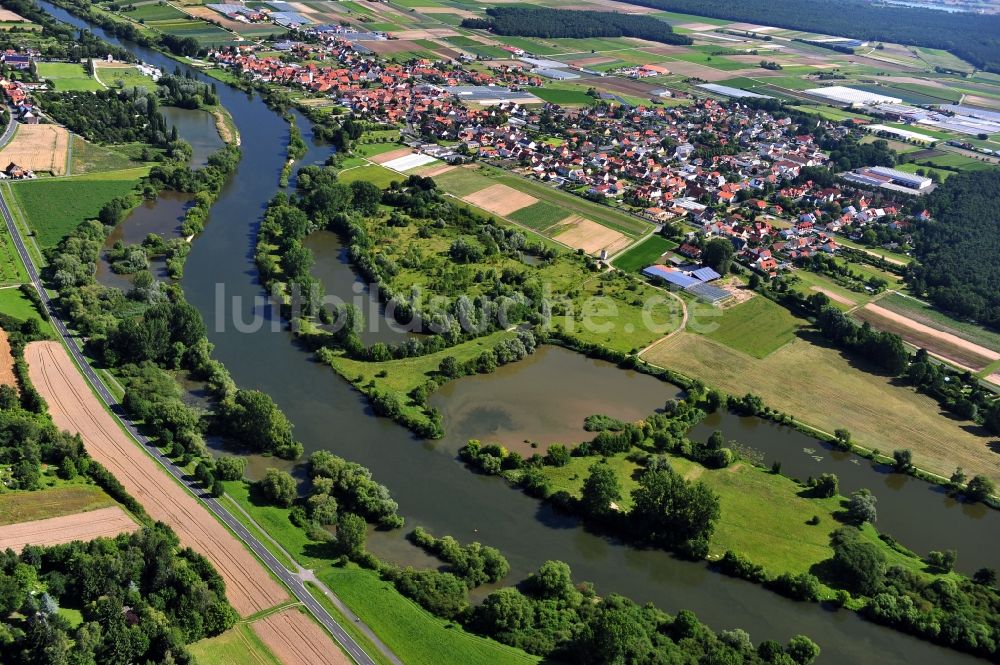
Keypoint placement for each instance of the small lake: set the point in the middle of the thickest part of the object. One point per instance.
(198, 128)
(163, 217)
(544, 399)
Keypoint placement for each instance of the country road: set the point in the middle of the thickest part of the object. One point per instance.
(294, 581)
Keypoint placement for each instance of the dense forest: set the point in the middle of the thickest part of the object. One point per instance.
(972, 37)
(140, 596)
(553, 23)
(958, 251)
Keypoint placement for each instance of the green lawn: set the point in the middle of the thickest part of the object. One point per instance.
(910, 167)
(154, 11)
(14, 303)
(54, 207)
(756, 327)
(373, 173)
(68, 76)
(124, 77)
(539, 216)
(416, 636)
(239, 644)
(64, 499)
(956, 161)
(713, 61)
(462, 181)
(645, 253)
(11, 269)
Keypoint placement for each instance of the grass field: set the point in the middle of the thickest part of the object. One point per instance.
(953, 160)
(416, 636)
(11, 268)
(823, 388)
(756, 327)
(373, 173)
(54, 207)
(91, 158)
(154, 11)
(117, 76)
(14, 303)
(68, 76)
(65, 499)
(645, 253)
(236, 646)
(911, 167)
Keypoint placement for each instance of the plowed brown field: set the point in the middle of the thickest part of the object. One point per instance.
(7, 376)
(297, 640)
(75, 408)
(106, 522)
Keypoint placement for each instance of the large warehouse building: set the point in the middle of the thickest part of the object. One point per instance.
(851, 96)
(881, 176)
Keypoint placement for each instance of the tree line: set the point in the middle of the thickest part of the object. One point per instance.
(566, 23)
(958, 251)
(972, 37)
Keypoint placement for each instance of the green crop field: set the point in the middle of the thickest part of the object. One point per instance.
(373, 173)
(756, 327)
(16, 507)
(562, 96)
(955, 161)
(239, 644)
(713, 61)
(68, 76)
(154, 11)
(818, 385)
(478, 48)
(416, 636)
(462, 182)
(539, 216)
(645, 253)
(54, 207)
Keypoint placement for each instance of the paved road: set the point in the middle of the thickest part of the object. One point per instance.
(8, 132)
(291, 580)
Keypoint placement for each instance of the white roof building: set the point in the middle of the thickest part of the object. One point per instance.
(845, 95)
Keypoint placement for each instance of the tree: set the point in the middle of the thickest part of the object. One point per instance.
(826, 485)
(553, 580)
(861, 507)
(979, 488)
(278, 487)
(858, 564)
(985, 577)
(718, 255)
(365, 197)
(903, 459)
(557, 455)
(505, 610)
(943, 561)
(802, 650)
(203, 473)
(230, 467)
(671, 512)
(600, 490)
(253, 419)
(352, 531)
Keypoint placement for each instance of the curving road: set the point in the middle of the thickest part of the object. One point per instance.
(294, 581)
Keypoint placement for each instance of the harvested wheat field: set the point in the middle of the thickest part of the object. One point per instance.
(102, 523)
(464, 13)
(298, 640)
(7, 376)
(591, 237)
(819, 386)
(7, 15)
(75, 408)
(500, 199)
(431, 171)
(952, 348)
(994, 379)
(39, 148)
(427, 33)
(391, 155)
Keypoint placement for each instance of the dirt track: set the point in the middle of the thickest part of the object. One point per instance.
(74, 407)
(105, 522)
(297, 640)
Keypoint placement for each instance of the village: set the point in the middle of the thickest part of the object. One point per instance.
(725, 170)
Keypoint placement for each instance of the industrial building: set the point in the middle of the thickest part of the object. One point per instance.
(851, 96)
(886, 178)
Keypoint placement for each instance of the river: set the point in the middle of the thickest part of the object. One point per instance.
(433, 489)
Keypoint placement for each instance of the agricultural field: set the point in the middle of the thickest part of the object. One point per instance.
(153, 11)
(14, 303)
(823, 388)
(940, 343)
(927, 314)
(55, 207)
(756, 327)
(87, 157)
(373, 173)
(295, 637)
(100, 523)
(121, 75)
(563, 97)
(40, 148)
(647, 252)
(68, 76)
